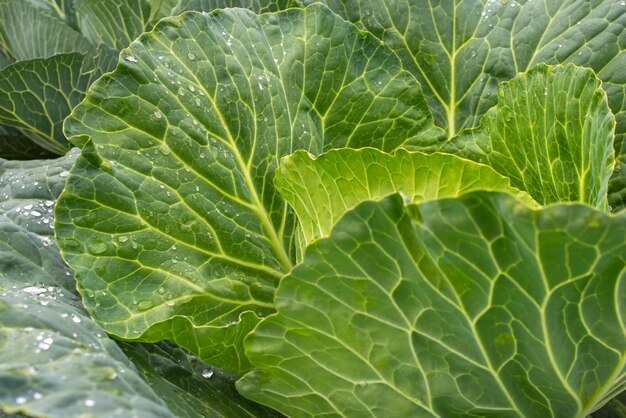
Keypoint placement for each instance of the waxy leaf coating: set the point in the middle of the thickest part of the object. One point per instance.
(551, 133)
(460, 50)
(469, 306)
(170, 216)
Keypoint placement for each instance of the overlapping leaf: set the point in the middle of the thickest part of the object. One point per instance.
(460, 50)
(551, 133)
(56, 362)
(54, 359)
(19, 147)
(113, 22)
(474, 306)
(322, 189)
(36, 95)
(189, 387)
(170, 216)
(28, 190)
(27, 32)
(258, 6)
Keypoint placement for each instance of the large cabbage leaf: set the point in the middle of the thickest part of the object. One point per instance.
(551, 133)
(170, 216)
(55, 361)
(322, 189)
(461, 49)
(470, 306)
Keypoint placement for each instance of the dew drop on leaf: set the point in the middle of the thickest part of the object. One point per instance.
(95, 246)
(145, 304)
(207, 373)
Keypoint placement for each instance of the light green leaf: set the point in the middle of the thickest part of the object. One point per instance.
(54, 360)
(37, 95)
(170, 215)
(28, 190)
(257, 6)
(322, 189)
(113, 22)
(28, 32)
(460, 50)
(551, 133)
(471, 306)
(189, 387)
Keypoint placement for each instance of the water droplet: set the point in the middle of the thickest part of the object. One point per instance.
(145, 304)
(76, 319)
(198, 102)
(207, 373)
(71, 243)
(164, 149)
(191, 88)
(90, 402)
(20, 400)
(122, 238)
(130, 58)
(37, 396)
(161, 290)
(158, 115)
(191, 56)
(63, 173)
(473, 53)
(95, 246)
(181, 91)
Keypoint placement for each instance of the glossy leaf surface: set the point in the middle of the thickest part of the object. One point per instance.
(322, 189)
(551, 133)
(170, 215)
(473, 306)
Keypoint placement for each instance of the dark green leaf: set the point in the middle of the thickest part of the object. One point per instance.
(19, 147)
(115, 23)
(473, 306)
(171, 208)
(28, 190)
(54, 360)
(257, 6)
(460, 50)
(28, 32)
(37, 95)
(189, 387)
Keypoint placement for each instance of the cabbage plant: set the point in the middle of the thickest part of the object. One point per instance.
(374, 208)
